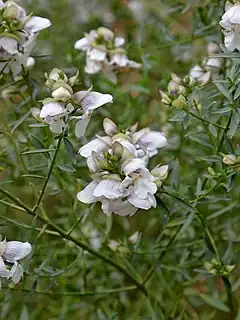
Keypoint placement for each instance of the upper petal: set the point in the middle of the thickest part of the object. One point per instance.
(82, 44)
(119, 41)
(52, 109)
(133, 165)
(16, 250)
(108, 188)
(9, 44)
(35, 24)
(86, 195)
(96, 145)
(91, 100)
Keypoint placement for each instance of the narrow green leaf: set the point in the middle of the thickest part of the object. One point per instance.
(66, 168)
(38, 151)
(214, 302)
(222, 87)
(20, 121)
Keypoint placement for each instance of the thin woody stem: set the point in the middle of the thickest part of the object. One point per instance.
(49, 173)
(67, 236)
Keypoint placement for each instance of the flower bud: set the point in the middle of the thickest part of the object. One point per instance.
(61, 83)
(30, 63)
(179, 103)
(165, 98)
(12, 11)
(160, 173)
(73, 80)
(117, 150)
(35, 113)
(113, 245)
(105, 33)
(110, 127)
(134, 237)
(101, 162)
(61, 94)
(211, 171)
(229, 159)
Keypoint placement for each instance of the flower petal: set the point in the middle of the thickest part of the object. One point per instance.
(133, 165)
(17, 273)
(81, 127)
(52, 109)
(96, 145)
(57, 126)
(9, 44)
(35, 24)
(16, 250)
(91, 100)
(108, 188)
(119, 41)
(82, 44)
(86, 195)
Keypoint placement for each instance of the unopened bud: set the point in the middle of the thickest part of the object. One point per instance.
(100, 161)
(211, 171)
(165, 98)
(160, 173)
(61, 94)
(179, 103)
(105, 33)
(113, 245)
(12, 11)
(30, 63)
(134, 237)
(229, 159)
(109, 127)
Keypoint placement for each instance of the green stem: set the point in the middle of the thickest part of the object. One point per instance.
(153, 267)
(206, 121)
(49, 173)
(77, 242)
(74, 294)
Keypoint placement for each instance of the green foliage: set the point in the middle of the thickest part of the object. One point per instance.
(181, 265)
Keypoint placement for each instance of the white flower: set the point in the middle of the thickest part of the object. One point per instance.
(11, 252)
(140, 184)
(18, 38)
(104, 52)
(198, 75)
(149, 141)
(230, 23)
(65, 105)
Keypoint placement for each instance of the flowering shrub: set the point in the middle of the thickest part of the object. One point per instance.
(119, 159)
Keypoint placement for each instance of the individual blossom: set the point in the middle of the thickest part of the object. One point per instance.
(10, 254)
(210, 63)
(66, 104)
(104, 52)
(199, 76)
(121, 180)
(18, 32)
(142, 144)
(230, 23)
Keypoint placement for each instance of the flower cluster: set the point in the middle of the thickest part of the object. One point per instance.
(104, 51)
(65, 104)
(18, 34)
(10, 253)
(118, 163)
(230, 23)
